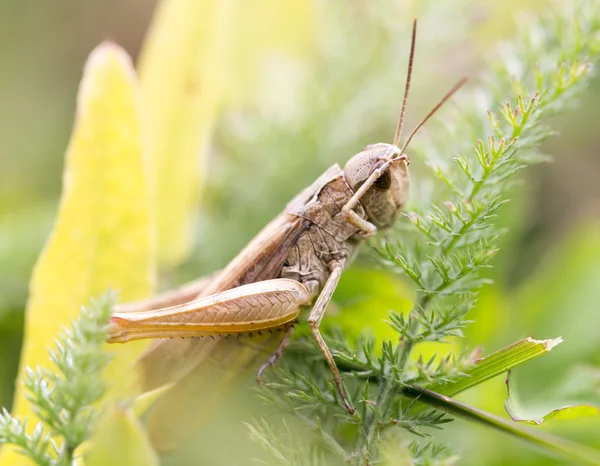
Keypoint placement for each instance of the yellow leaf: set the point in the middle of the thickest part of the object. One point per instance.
(265, 33)
(120, 440)
(104, 234)
(199, 54)
(181, 71)
(143, 402)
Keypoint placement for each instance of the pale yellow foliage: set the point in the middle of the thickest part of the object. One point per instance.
(120, 440)
(104, 235)
(199, 55)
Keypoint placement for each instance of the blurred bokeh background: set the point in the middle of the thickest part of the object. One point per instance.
(300, 108)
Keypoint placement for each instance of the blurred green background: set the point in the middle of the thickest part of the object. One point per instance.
(277, 141)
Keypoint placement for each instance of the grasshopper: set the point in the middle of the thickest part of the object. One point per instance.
(294, 262)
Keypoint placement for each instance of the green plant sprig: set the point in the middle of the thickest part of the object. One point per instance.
(450, 237)
(64, 398)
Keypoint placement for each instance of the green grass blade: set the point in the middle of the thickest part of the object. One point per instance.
(495, 364)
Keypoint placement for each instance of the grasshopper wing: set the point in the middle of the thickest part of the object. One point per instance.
(180, 295)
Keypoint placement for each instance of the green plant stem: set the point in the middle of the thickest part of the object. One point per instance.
(329, 441)
(547, 443)
(386, 392)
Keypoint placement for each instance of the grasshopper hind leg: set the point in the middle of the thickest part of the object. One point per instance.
(276, 354)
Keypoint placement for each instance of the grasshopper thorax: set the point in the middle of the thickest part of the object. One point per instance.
(387, 196)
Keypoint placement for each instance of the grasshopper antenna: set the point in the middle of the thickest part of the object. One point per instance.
(400, 155)
(449, 94)
(407, 87)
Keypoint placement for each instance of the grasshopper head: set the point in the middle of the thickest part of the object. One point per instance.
(380, 172)
(387, 196)
(382, 169)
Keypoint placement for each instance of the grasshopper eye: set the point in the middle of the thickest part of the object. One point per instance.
(384, 181)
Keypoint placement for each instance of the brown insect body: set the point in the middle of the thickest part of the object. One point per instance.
(309, 239)
(327, 236)
(296, 259)
(303, 243)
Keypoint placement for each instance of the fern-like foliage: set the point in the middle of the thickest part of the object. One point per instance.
(444, 244)
(64, 398)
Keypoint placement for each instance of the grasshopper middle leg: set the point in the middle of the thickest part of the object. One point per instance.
(314, 320)
(276, 354)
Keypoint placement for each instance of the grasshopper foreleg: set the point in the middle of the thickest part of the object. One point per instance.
(314, 320)
(276, 354)
(365, 227)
